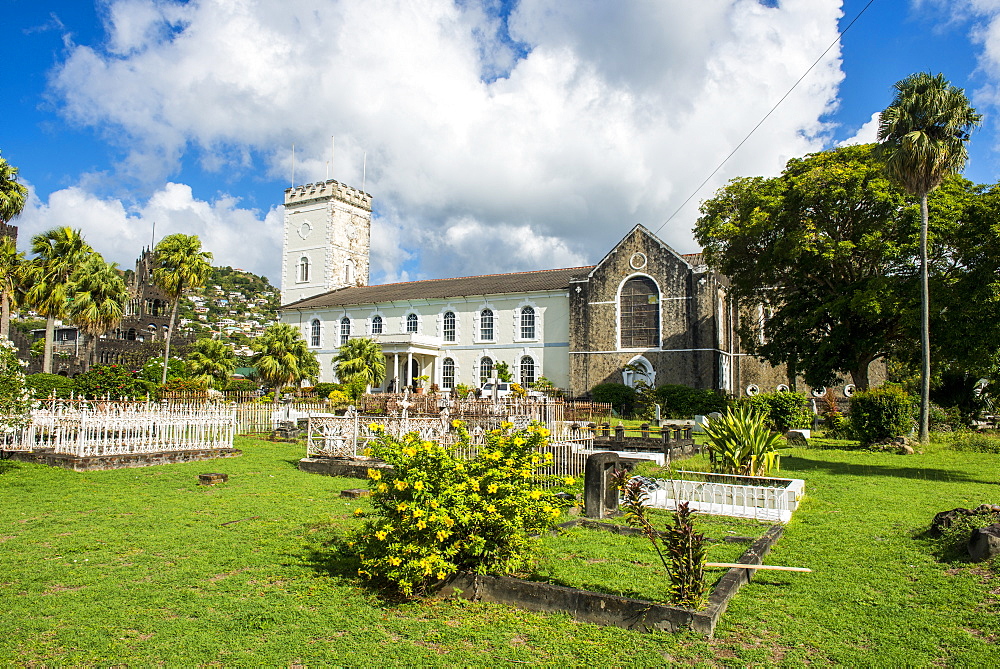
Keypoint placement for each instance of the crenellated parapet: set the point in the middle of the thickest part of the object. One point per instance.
(325, 190)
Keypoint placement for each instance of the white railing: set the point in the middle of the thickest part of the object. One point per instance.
(124, 428)
(756, 497)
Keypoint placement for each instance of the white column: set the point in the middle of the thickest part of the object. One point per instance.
(395, 372)
(409, 367)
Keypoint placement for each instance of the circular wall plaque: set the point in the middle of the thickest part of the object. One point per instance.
(305, 229)
(637, 261)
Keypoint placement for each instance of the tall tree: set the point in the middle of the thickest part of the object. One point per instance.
(58, 253)
(923, 135)
(282, 357)
(181, 265)
(211, 361)
(98, 294)
(13, 195)
(360, 359)
(820, 261)
(11, 270)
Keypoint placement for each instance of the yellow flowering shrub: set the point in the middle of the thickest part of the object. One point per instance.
(435, 513)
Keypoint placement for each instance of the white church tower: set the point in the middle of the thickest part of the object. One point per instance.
(327, 239)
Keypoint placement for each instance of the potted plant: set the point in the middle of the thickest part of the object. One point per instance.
(418, 384)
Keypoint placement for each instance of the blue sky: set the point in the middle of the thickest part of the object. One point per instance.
(494, 136)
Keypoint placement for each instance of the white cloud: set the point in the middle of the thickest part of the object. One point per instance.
(614, 115)
(866, 134)
(236, 236)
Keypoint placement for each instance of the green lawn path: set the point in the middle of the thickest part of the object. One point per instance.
(135, 567)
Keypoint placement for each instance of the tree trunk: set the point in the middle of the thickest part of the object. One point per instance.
(859, 376)
(170, 333)
(5, 314)
(925, 328)
(50, 335)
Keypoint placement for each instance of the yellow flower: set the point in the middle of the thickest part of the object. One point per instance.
(358, 512)
(409, 451)
(456, 423)
(442, 535)
(493, 487)
(459, 467)
(506, 425)
(382, 487)
(375, 427)
(367, 452)
(448, 521)
(434, 504)
(518, 441)
(395, 561)
(441, 575)
(374, 474)
(400, 485)
(508, 462)
(569, 480)
(417, 512)
(381, 535)
(421, 524)
(543, 432)
(491, 508)
(419, 485)
(555, 513)
(402, 506)
(535, 494)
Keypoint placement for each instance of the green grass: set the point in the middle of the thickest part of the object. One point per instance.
(136, 567)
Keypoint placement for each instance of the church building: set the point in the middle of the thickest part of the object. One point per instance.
(644, 313)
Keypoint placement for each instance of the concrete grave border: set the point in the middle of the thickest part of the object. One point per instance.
(93, 463)
(611, 610)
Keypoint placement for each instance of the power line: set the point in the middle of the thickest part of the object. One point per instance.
(766, 116)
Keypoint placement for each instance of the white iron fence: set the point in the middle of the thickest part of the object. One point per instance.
(121, 428)
(767, 499)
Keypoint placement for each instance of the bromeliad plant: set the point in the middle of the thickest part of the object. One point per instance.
(683, 549)
(740, 442)
(435, 513)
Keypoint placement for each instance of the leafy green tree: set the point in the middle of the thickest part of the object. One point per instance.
(361, 360)
(212, 362)
(819, 260)
(924, 132)
(502, 372)
(181, 265)
(13, 195)
(11, 273)
(58, 254)
(109, 381)
(282, 357)
(97, 296)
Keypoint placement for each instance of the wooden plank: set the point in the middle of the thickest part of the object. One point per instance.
(741, 565)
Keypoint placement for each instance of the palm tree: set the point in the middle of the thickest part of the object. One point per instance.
(58, 253)
(923, 136)
(282, 357)
(360, 360)
(98, 297)
(11, 271)
(12, 194)
(211, 361)
(181, 266)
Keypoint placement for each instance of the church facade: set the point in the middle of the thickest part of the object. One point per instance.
(644, 313)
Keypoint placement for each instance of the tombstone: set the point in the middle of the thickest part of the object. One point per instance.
(600, 498)
(644, 429)
(687, 433)
(605, 429)
(619, 432)
(657, 416)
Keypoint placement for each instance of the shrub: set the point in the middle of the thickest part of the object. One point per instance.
(741, 443)
(42, 385)
(783, 411)
(108, 381)
(880, 414)
(977, 442)
(954, 540)
(463, 390)
(435, 513)
(684, 402)
(15, 401)
(240, 386)
(618, 395)
(324, 389)
(339, 399)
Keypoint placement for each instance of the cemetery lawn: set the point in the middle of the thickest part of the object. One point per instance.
(139, 566)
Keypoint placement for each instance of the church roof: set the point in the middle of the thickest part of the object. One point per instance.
(487, 284)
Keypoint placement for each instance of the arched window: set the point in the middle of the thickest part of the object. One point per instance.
(411, 322)
(314, 332)
(527, 371)
(303, 269)
(130, 334)
(485, 370)
(345, 330)
(486, 325)
(376, 324)
(448, 373)
(640, 313)
(527, 323)
(449, 326)
(349, 271)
